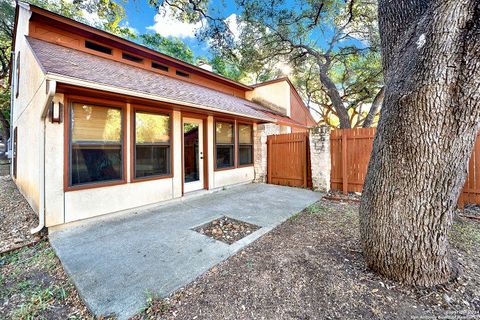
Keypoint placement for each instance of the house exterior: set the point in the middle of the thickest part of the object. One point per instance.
(101, 124)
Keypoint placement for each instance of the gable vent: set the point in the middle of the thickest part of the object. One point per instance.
(130, 57)
(97, 47)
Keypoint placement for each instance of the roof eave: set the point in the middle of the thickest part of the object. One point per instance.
(139, 94)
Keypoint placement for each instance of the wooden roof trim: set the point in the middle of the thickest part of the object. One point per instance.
(40, 14)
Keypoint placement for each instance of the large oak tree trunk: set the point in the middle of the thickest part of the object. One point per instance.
(427, 129)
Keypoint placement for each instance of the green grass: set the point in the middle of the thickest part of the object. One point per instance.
(32, 280)
(153, 301)
(39, 301)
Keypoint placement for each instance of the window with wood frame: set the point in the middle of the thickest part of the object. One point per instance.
(96, 144)
(245, 144)
(152, 144)
(224, 145)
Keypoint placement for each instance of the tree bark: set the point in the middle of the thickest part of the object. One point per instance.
(425, 136)
(376, 104)
(334, 96)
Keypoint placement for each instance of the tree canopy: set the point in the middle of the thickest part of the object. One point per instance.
(331, 47)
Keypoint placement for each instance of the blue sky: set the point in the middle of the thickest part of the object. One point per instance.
(141, 17)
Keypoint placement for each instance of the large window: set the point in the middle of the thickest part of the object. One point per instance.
(152, 144)
(96, 144)
(245, 144)
(225, 144)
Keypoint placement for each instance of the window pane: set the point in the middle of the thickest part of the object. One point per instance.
(96, 163)
(152, 160)
(245, 133)
(152, 128)
(224, 156)
(96, 124)
(245, 154)
(224, 132)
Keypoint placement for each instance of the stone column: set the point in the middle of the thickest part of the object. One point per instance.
(260, 149)
(320, 158)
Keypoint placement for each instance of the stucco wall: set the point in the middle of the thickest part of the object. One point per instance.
(88, 203)
(54, 195)
(26, 113)
(277, 94)
(233, 176)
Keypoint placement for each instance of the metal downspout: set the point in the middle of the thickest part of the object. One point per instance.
(51, 88)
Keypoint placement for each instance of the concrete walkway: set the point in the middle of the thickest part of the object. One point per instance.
(114, 260)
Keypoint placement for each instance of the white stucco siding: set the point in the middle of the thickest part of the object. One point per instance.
(274, 94)
(177, 154)
(31, 75)
(211, 161)
(54, 150)
(82, 204)
(28, 148)
(234, 176)
(26, 113)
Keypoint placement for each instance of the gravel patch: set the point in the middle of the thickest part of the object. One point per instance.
(17, 217)
(226, 229)
(311, 267)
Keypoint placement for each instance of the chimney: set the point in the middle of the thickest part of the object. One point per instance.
(204, 65)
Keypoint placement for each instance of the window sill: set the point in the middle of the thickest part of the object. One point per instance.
(224, 169)
(245, 165)
(144, 179)
(95, 185)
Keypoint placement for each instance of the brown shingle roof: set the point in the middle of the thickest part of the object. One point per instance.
(63, 61)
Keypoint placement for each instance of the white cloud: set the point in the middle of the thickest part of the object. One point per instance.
(92, 18)
(234, 26)
(167, 25)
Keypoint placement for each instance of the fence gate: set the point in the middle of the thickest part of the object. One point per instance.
(289, 160)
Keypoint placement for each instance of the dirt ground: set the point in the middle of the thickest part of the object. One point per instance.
(17, 217)
(311, 267)
(33, 285)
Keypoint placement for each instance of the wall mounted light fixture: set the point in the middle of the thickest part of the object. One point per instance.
(56, 112)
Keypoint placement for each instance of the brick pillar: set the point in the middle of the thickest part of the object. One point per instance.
(320, 158)
(260, 149)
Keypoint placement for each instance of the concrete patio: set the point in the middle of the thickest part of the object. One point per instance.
(115, 260)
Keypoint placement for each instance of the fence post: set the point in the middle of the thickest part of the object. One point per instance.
(269, 159)
(304, 161)
(344, 161)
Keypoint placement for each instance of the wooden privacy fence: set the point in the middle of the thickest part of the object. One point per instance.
(288, 160)
(350, 151)
(471, 190)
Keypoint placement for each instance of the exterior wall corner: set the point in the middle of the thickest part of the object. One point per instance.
(260, 149)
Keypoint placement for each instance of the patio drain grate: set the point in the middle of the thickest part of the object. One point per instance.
(226, 229)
